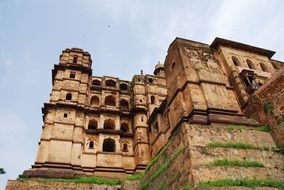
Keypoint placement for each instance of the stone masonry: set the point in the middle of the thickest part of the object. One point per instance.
(104, 126)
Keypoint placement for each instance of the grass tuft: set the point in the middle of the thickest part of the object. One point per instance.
(239, 145)
(161, 169)
(235, 127)
(136, 176)
(186, 187)
(243, 182)
(278, 149)
(238, 163)
(267, 106)
(264, 128)
(93, 179)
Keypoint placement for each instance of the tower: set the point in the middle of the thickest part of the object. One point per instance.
(140, 127)
(61, 141)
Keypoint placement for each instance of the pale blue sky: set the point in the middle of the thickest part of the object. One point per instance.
(123, 37)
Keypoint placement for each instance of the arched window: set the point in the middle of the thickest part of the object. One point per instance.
(96, 82)
(250, 64)
(156, 128)
(109, 124)
(72, 75)
(91, 145)
(110, 83)
(263, 67)
(150, 80)
(68, 96)
(236, 61)
(109, 145)
(123, 104)
(152, 99)
(125, 148)
(110, 101)
(173, 65)
(95, 101)
(75, 59)
(123, 86)
(124, 127)
(93, 124)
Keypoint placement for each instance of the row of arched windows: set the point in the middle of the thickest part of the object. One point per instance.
(250, 64)
(109, 145)
(109, 101)
(110, 83)
(108, 124)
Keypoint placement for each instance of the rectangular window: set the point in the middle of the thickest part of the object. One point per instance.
(72, 75)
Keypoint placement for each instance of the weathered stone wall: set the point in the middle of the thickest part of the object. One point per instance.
(40, 185)
(170, 169)
(267, 105)
(194, 164)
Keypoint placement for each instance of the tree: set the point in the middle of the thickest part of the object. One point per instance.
(2, 171)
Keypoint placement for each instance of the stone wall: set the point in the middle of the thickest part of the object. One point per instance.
(187, 158)
(40, 185)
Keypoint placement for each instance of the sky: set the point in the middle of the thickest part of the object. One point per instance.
(123, 37)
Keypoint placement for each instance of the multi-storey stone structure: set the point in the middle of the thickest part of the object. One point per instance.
(97, 125)
(109, 127)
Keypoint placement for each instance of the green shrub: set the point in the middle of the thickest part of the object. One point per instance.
(267, 106)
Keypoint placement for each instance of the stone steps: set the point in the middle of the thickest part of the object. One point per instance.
(205, 155)
(237, 188)
(201, 136)
(205, 173)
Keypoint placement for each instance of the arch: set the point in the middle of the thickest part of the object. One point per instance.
(110, 100)
(236, 61)
(150, 80)
(68, 96)
(93, 124)
(263, 67)
(110, 83)
(75, 59)
(91, 145)
(173, 65)
(109, 124)
(95, 101)
(109, 145)
(123, 86)
(153, 100)
(124, 127)
(123, 104)
(156, 128)
(125, 148)
(96, 82)
(250, 64)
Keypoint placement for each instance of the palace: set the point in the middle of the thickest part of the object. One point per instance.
(108, 127)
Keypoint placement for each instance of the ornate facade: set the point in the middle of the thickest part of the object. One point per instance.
(105, 126)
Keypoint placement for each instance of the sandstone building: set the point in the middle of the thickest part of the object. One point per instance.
(109, 127)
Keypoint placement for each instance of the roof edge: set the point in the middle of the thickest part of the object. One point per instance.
(221, 41)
